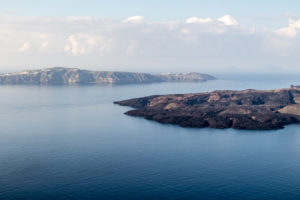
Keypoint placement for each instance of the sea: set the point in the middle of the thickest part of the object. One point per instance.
(73, 143)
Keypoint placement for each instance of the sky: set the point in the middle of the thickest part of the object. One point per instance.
(151, 36)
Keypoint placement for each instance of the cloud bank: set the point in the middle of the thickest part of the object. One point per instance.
(138, 44)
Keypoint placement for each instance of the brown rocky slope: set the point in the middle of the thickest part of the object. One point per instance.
(247, 109)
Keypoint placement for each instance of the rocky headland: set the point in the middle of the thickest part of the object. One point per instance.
(247, 109)
(64, 76)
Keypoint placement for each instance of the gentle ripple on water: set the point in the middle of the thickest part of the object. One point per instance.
(73, 143)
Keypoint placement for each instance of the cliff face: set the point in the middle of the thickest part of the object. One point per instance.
(248, 109)
(60, 76)
(185, 77)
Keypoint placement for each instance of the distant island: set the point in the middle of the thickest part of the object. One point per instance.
(64, 76)
(247, 109)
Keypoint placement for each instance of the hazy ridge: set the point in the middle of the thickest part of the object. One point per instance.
(64, 76)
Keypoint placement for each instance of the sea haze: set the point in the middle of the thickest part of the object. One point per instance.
(72, 142)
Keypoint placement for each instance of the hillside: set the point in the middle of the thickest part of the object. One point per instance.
(64, 76)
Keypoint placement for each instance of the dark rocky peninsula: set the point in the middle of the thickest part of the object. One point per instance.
(247, 109)
(64, 76)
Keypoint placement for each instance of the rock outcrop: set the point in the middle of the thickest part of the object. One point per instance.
(62, 76)
(247, 109)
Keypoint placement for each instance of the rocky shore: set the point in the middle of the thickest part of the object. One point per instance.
(247, 109)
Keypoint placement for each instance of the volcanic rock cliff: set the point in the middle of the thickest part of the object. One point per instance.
(61, 76)
(247, 109)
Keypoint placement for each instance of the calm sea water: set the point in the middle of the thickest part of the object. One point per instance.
(73, 143)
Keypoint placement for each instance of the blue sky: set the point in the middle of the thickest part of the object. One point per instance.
(271, 13)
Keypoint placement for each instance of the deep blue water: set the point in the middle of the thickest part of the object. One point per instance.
(71, 142)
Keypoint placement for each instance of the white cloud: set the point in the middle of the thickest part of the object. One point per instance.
(132, 47)
(76, 18)
(228, 20)
(203, 42)
(79, 44)
(291, 30)
(44, 45)
(196, 20)
(24, 47)
(87, 43)
(185, 31)
(135, 19)
(73, 46)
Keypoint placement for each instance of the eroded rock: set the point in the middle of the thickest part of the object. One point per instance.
(247, 109)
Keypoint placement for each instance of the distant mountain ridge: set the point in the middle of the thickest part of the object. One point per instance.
(66, 76)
